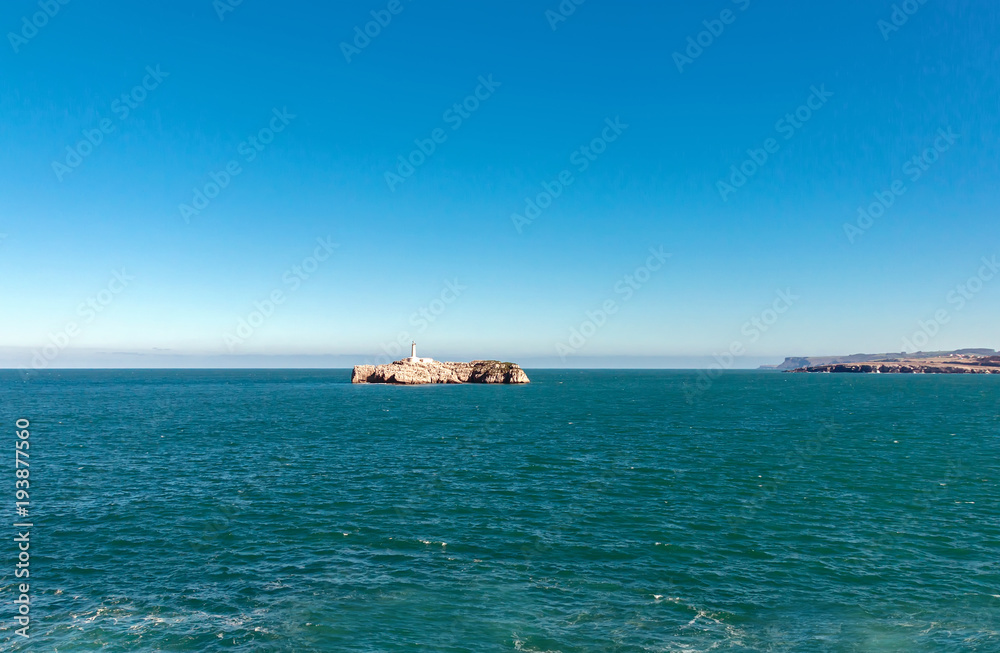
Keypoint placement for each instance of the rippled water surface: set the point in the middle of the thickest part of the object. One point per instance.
(588, 511)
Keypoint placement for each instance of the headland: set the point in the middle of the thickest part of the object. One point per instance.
(962, 361)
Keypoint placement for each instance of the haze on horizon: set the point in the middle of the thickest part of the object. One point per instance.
(559, 184)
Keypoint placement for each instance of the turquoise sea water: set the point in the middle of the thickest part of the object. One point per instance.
(588, 511)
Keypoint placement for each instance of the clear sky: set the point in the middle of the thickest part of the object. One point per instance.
(117, 119)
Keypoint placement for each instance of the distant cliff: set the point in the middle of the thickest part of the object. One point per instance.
(796, 362)
(905, 367)
(949, 363)
(407, 373)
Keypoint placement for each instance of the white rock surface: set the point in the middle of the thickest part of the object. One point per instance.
(407, 373)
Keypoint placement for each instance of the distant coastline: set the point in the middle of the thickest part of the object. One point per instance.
(960, 361)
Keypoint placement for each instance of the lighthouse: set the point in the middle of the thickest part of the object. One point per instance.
(413, 355)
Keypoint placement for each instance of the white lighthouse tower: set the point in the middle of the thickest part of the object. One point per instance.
(413, 355)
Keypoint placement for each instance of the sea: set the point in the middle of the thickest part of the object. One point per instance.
(591, 510)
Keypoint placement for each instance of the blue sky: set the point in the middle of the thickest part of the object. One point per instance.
(450, 236)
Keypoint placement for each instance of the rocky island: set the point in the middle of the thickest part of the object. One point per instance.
(963, 361)
(417, 371)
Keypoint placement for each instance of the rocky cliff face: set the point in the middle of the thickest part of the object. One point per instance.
(795, 362)
(405, 373)
(903, 368)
